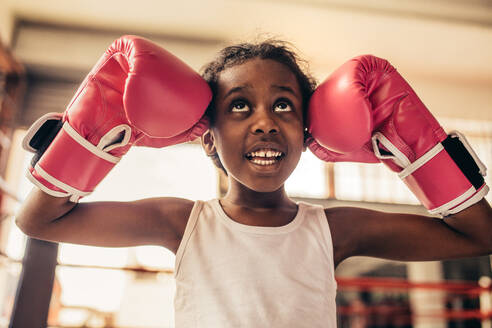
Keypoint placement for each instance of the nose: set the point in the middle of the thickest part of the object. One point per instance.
(264, 122)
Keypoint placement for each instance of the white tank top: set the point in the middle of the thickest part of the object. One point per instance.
(233, 275)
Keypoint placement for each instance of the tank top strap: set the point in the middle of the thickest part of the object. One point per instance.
(190, 226)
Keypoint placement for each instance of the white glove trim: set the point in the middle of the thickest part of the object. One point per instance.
(109, 140)
(41, 186)
(398, 157)
(421, 161)
(468, 198)
(74, 198)
(54, 181)
(474, 199)
(87, 145)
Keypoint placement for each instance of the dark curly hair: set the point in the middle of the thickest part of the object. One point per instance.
(280, 51)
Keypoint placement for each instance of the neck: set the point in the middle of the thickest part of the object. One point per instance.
(240, 195)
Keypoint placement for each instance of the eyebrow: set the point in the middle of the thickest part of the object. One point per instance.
(285, 88)
(236, 89)
(248, 86)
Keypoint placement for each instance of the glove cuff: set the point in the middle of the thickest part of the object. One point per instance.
(73, 164)
(43, 184)
(447, 179)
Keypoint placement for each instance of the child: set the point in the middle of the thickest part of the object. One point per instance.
(255, 258)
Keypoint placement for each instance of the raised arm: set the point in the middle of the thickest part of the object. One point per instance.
(154, 221)
(366, 112)
(408, 237)
(137, 94)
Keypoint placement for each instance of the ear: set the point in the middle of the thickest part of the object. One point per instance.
(208, 142)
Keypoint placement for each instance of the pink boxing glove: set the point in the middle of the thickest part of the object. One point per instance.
(340, 120)
(136, 94)
(385, 120)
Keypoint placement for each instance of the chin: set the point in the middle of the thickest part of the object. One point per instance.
(264, 184)
(261, 179)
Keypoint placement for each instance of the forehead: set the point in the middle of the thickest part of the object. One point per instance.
(257, 72)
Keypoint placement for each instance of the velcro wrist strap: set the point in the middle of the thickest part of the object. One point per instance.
(465, 157)
(448, 178)
(42, 132)
(74, 164)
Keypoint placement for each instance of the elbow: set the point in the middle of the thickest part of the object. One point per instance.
(27, 226)
(38, 211)
(23, 226)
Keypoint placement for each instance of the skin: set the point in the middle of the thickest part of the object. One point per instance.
(252, 110)
(258, 102)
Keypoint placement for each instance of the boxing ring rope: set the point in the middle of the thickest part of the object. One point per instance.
(373, 284)
(465, 289)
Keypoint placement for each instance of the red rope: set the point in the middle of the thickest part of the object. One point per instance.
(371, 284)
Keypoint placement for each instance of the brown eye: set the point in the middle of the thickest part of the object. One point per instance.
(283, 106)
(239, 106)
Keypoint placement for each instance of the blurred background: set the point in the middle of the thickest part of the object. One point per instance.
(442, 47)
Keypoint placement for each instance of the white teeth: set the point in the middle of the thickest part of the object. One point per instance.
(263, 162)
(264, 153)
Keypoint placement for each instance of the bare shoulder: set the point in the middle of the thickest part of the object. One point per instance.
(175, 212)
(357, 231)
(162, 220)
(339, 220)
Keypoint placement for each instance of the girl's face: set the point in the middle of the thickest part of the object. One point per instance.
(258, 130)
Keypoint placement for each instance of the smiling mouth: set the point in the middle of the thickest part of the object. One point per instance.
(265, 157)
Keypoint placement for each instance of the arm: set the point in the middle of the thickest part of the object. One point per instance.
(393, 126)
(155, 221)
(137, 94)
(408, 237)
